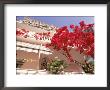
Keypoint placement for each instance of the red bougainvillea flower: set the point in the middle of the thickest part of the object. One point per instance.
(82, 23)
(90, 25)
(72, 26)
(21, 32)
(82, 37)
(48, 32)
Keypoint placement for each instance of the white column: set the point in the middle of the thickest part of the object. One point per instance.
(39, 54)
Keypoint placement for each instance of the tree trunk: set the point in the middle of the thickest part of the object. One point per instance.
(87, 67)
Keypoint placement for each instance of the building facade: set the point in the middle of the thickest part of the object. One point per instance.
(31, 52)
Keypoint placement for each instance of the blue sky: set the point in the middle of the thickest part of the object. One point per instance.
(60, 21)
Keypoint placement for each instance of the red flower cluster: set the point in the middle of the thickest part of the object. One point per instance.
(82, 37)
(24, 33)
(72, 26)
(41, 36)
(21, 32)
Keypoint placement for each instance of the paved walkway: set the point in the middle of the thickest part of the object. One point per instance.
(41, 72)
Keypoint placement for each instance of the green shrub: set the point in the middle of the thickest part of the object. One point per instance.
(56, 66)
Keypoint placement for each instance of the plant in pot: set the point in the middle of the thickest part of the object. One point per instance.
(56, 66)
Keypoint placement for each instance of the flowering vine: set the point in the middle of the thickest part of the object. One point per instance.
(38, 36)
(81, 38)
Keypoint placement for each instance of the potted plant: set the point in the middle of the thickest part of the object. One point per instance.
(56, 66)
